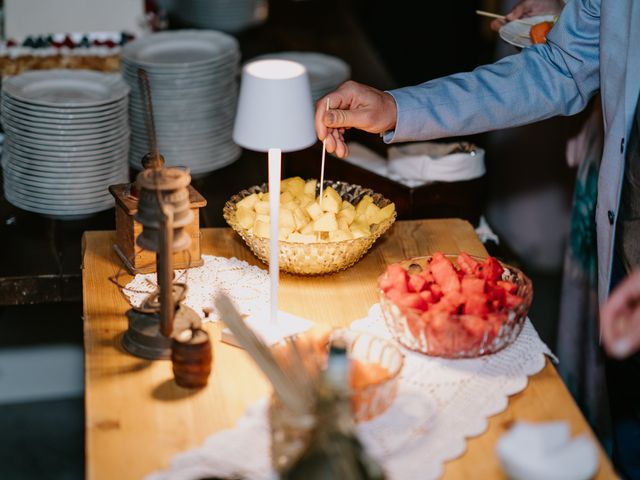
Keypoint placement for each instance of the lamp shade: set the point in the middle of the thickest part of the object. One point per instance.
(275, 109)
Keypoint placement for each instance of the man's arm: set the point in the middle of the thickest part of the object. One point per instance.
(556, 78)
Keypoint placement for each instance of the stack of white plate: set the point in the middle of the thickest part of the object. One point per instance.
(226, 15)
(193, 78)
(66, 141)
(325, 72)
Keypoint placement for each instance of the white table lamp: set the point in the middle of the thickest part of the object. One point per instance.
(275, 115)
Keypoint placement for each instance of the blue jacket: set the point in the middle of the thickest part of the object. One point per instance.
(595, 46)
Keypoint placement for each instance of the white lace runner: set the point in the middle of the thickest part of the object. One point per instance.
(246, 285)
(440, 404)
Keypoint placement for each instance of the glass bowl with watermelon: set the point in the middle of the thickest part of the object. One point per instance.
(454, 306)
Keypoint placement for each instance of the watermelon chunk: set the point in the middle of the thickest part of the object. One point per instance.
(467, 264)
(413, 300)
(475, 325)
(512, 300)
(429, 297)
(444, 273)
(476, 305)
(509, 287)
(416, 283)
(472, 286)
(398, 277)
(492, 270)
(385, 283)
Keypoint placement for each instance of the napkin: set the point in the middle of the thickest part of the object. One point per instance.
(420, 163)
(417, 163)
(546, 451)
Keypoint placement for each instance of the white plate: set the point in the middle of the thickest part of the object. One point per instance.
(78, 190)
(65, 172)
(20, 121)
(28, 130)
(53, 155)
(180, 48)
(226, 62)
(62, 201)
(61, 113)
(53, 187)
(70, 151)
(517, 33)
(66, 88)
(48, 141)
(322, 68)
(63, 129)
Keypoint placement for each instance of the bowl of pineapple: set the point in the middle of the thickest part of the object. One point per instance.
(316, 237)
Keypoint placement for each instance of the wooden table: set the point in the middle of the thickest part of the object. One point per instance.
(137, 419)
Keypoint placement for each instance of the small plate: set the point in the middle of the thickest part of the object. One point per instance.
(517, 33)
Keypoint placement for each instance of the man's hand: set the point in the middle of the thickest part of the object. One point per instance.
(620, 318)
(353, 105)
(530, 8)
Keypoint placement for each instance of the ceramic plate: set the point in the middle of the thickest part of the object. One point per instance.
(517, 32)
(180, 48)
(66, 88)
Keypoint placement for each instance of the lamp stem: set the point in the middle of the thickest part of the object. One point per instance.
(275, 155)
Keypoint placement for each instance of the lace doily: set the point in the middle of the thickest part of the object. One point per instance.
(440, 404)
(246, 285)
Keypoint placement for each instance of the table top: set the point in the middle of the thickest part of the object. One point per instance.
(137, 418)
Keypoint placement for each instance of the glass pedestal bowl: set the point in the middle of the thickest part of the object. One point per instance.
(319, 257)
(457, 335)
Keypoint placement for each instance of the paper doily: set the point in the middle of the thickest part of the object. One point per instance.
(246, 285)
(440, 404)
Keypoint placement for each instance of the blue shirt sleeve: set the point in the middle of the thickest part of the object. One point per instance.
(555, 78)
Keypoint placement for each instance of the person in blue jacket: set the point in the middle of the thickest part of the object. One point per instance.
(594, 47)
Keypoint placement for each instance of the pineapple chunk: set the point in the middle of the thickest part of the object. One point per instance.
(305, 200)
(314, 210)
(246, 217)
(340, 235)
(262, 207)
(362, 220)
(363, 204)
(292, 205)
(342, 223)
(295, 185)
(347, 206)
(331, 201)
(301, 238)
(359, 229)
(387, 212)
(261, 229)
(263, 218)
(307, 229)
(286, 219)
(310, 188)
(301, 218)
(285, 197)
(326, 223)
(372, 213)
(248, 202)
(264, 196)
(347, 214)
(284, 232)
